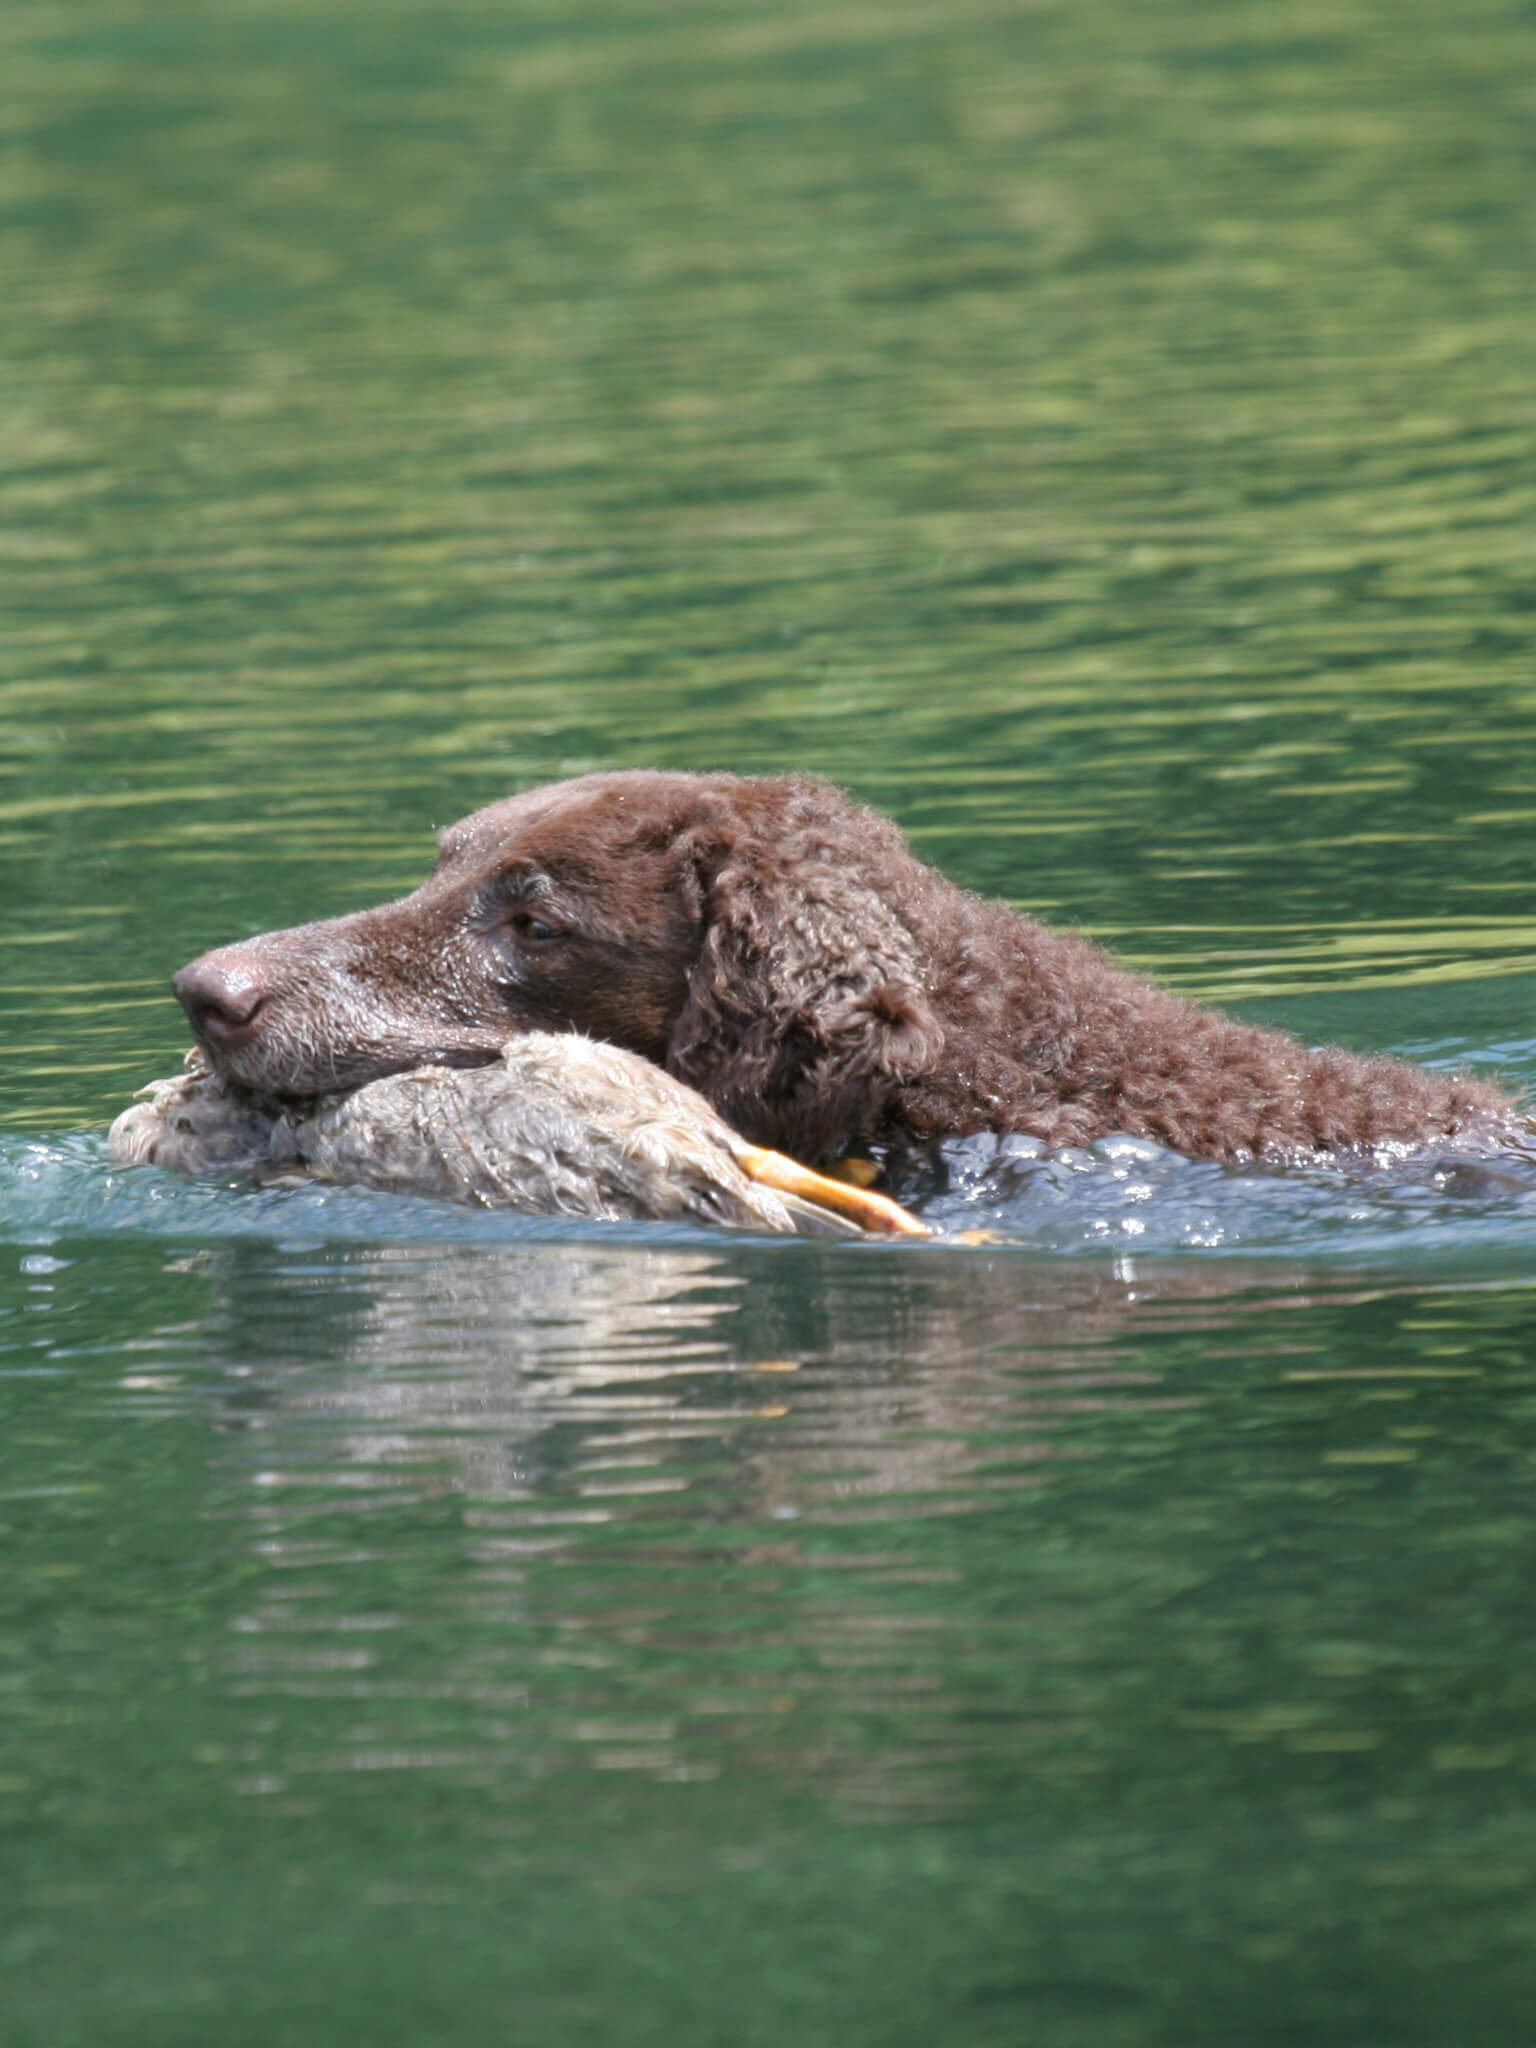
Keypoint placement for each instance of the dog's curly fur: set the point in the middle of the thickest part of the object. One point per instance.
(777, 946)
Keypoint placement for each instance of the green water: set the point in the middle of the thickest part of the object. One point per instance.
(1103, 436)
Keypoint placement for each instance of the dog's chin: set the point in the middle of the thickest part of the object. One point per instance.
(267, 1077)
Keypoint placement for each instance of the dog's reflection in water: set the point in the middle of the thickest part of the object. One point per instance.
(680, 1469)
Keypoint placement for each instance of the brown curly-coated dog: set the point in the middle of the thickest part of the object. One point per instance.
(777, 946)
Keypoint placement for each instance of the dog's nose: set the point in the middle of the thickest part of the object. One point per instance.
(221, 993)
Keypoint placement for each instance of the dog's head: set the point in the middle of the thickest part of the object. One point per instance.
(747, 934)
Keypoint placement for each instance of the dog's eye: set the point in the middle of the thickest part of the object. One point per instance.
(527, 926)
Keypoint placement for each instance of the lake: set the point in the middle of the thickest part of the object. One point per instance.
(1101, 437)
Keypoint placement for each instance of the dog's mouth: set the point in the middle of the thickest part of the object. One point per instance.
(272, 1028)
(442, 1056)
(240, 1057)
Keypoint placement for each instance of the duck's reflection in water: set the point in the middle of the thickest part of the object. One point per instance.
(690, 1510)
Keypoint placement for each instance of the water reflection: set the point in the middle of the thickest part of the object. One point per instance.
(682, 1512)
(581, 1585)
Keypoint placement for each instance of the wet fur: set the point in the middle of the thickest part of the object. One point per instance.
(778, 947)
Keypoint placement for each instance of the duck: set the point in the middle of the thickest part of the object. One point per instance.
(556, 1124)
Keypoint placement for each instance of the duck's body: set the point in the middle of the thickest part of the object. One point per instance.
(556, 1125)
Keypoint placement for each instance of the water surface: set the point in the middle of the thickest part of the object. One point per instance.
(1100, 435)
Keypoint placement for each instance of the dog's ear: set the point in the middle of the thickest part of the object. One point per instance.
(805, 1009)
